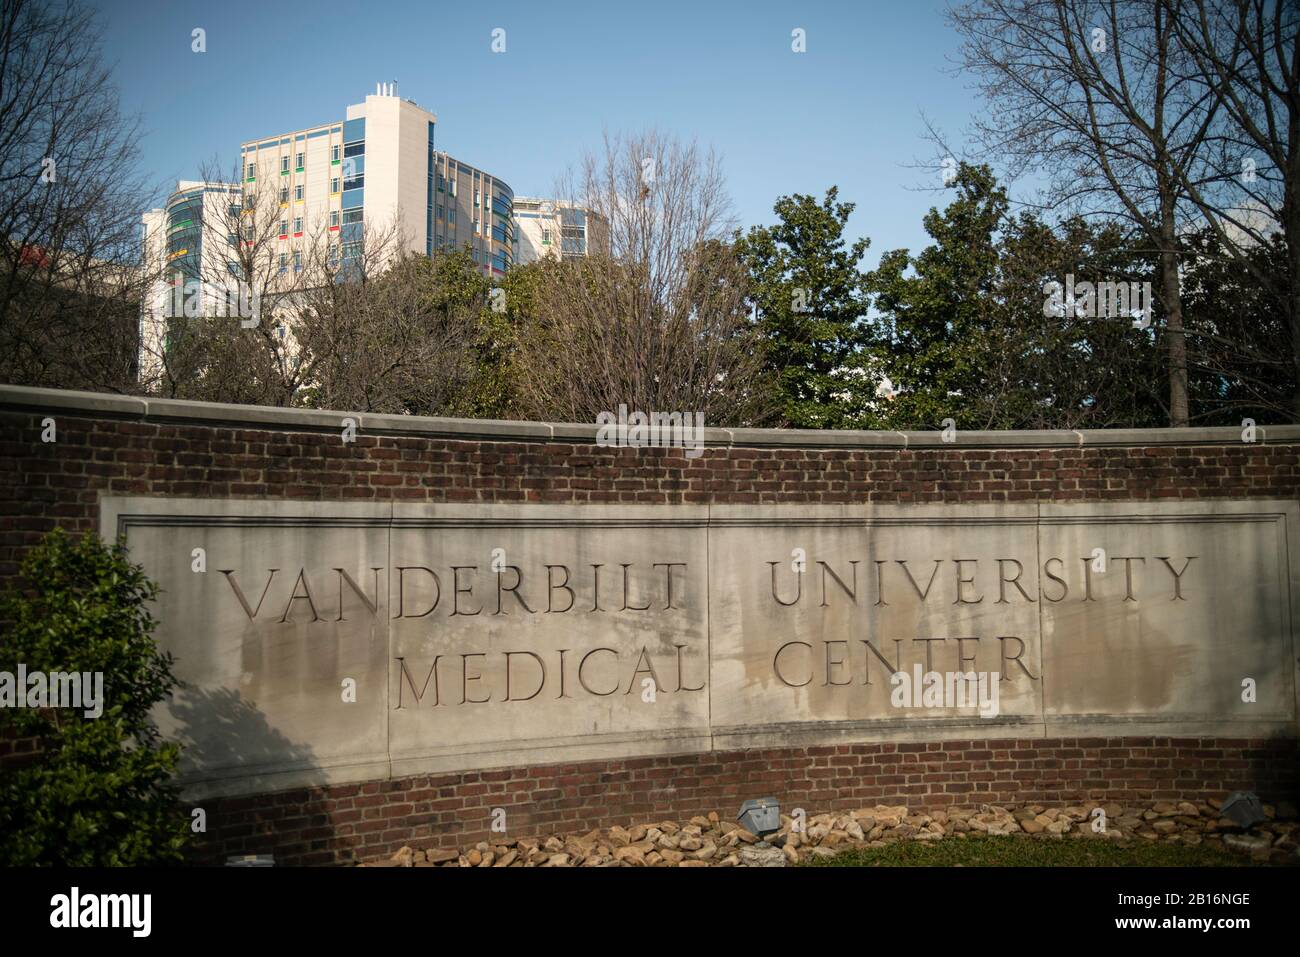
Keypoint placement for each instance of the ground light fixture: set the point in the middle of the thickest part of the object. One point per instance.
(760, 816)
(1243, 808)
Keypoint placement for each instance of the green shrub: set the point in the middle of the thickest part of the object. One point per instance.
(100, 791)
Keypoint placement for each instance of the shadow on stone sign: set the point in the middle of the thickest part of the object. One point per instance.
(220, 732)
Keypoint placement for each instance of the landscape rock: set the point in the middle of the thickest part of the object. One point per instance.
(1247, 843)
(762, 857)
(405, 857)
(706, 840)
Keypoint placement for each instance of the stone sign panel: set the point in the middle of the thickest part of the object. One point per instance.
(330, 642)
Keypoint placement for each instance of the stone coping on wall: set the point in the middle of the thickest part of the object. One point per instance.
(143, 409)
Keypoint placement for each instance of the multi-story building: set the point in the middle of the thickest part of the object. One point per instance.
(379, 168)
(314, 195)
(549, 227)
(188, 253)
(188, 240)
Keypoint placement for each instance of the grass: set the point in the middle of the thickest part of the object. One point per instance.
(1011, 851)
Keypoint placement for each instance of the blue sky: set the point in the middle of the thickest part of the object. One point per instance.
(847, 112)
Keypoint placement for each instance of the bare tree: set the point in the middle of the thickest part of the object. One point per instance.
(654, 316)
(69, 204)
(1099, 94)
(400, 342)
(254, 293)
(1246, 54)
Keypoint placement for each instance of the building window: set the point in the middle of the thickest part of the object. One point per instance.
(439, 212)
(283, 260)
(334, 217)
(297, 224)
(297, 260)
(451, 217)
(248, 232)
(284, 194)
(284, 164)
(252, 170)
(297, 192)
(298, 161)
(284, 227)
(353, 215)
(354, 176)
(334, 184)
(334, 153)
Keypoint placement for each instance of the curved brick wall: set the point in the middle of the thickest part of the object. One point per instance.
(123, 446)
(365, 821)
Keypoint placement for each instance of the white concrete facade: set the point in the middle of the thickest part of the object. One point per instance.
(380, 167)
(303, 172)
(555, 228)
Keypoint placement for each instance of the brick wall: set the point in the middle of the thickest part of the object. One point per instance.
(60, 482)
(130, 446)
(366, 821)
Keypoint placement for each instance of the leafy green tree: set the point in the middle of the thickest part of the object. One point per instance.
(807, 292)
(99, 791)
(452, 282)
(1065, 371)
(492, 391)
(966, 332)
(1239, 355)
(935, 305)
